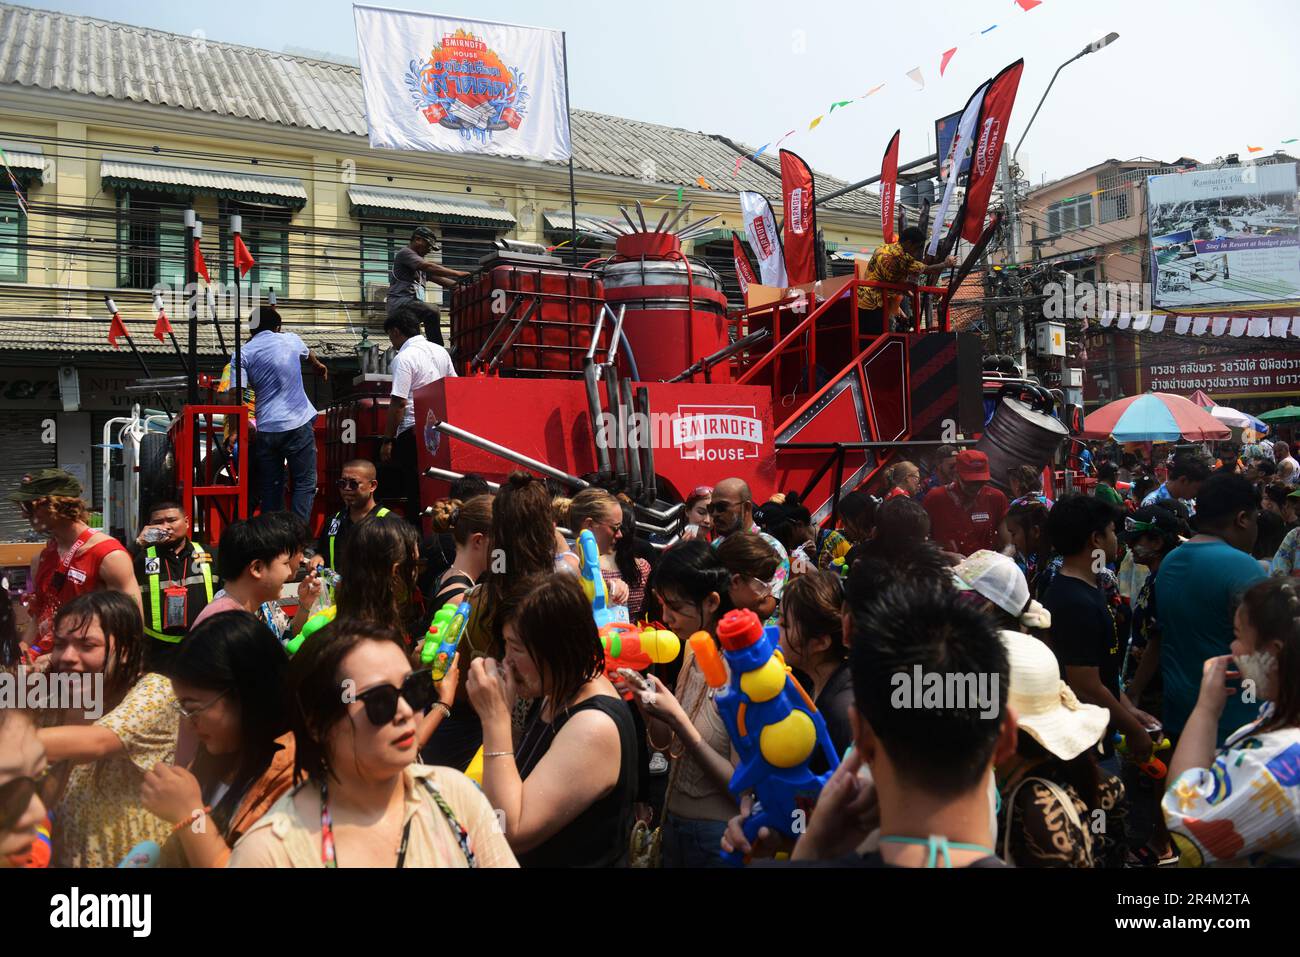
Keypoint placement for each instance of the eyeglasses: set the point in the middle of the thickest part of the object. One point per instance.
(191, 715)
(760, 588)
(1134, 525)
(718, 507)
(16, 795)
(381, 701)
(349, 485)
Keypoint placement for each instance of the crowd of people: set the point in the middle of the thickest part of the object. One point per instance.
(1143, 650)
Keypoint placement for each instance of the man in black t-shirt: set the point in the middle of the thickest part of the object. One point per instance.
(406, 280)
(1085, 636)
(357, 487)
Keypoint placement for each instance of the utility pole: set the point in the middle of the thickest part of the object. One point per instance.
(1012, 208)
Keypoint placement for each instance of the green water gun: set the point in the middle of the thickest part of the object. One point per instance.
(443, 636)
(314, 624)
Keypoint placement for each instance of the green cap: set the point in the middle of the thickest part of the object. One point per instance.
(45, 483)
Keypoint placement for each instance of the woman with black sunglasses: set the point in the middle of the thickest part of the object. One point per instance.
(25, 786)
(354, 704)
(228, 676)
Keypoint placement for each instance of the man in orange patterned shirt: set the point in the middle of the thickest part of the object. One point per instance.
(899, 262)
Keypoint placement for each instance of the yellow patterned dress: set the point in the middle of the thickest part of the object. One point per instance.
(100, 818)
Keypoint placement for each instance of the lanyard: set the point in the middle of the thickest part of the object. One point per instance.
(938, 844)
(68, 559)
(329, 856)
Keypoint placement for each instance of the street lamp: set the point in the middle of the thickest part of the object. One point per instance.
(1093, 47)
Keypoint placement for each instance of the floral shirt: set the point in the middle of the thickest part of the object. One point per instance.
(1162, 494)
(1145, 627)
(100, 818)
(887, 264)
(1287, 560)
(1246, 806)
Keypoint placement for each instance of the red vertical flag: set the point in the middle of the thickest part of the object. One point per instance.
(744, 271)
(200, 265)
(990, 136)
(888, 185)
(117, 329)
(244, 260)
(163, 326)
(800, 227)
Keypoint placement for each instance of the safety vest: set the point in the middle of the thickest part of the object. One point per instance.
(155, 592)
(334, 528)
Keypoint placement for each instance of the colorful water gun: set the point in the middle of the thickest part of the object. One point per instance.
(1152, 767)
(314, 624)
(144, 854)
(38, 855)
(593, 583)
(475, 770)
(772, 722)
(629, 646)
(443, 636)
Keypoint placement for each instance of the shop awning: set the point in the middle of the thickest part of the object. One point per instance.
(420, 205)
(128, 172)
(562, 222)
(27, 160)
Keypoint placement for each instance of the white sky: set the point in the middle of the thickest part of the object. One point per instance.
(1198, 78)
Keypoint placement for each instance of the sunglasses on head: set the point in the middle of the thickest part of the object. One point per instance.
(701, 490)
(381, 701)
(16, 795)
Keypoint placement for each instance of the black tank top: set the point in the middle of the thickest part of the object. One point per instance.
(598, 837)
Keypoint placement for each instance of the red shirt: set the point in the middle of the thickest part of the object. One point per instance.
(956, 528)
(82, 577)
(895, 492)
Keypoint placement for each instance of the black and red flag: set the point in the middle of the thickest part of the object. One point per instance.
(990, 137)
(800, 227)
(888, 185)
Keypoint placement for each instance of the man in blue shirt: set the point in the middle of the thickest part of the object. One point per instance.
(1185, 477)
(1197, 591)
(272, 367)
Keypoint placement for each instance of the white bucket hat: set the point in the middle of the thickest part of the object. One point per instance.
(1046, 708)
(999, 579)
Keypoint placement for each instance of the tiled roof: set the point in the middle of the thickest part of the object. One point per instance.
(90, 334)
(74, 54)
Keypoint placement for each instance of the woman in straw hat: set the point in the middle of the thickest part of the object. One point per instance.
(1052, 792)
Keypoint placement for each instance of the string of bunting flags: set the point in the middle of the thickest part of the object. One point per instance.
(1252, 327)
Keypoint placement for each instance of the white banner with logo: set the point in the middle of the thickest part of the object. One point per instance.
(962, 141)
(462, 86)
(764, 240)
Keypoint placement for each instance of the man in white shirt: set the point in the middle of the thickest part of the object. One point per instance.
(416, 363)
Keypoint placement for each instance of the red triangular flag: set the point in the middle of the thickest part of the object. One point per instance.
(163, 326)
(116, 328)
(244, 260)
(1027, 5)
(943, 63)
(200, 266)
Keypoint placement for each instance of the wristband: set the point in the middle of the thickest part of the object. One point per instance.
(498, 754)
(446, 712)
(194, 816)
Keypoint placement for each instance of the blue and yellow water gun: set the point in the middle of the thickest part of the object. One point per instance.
(593, 583)
(772, 722)
(443, 637)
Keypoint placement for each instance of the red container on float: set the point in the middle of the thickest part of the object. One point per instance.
(556, 336)
(675, 307)
(353, 428)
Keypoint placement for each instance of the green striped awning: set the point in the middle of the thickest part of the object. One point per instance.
(128, 172)
(378, 202)
(26, 160)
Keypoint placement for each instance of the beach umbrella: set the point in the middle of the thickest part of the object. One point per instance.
(1288, 413)
(1154, 417)
(1238, 420)
(1204, 401)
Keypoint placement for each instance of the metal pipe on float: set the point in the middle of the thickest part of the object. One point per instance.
(510, 455)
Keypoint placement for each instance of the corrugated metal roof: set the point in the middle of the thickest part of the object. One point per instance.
(127, 171)
(75, 54)
(374, 200)
(90, 334)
